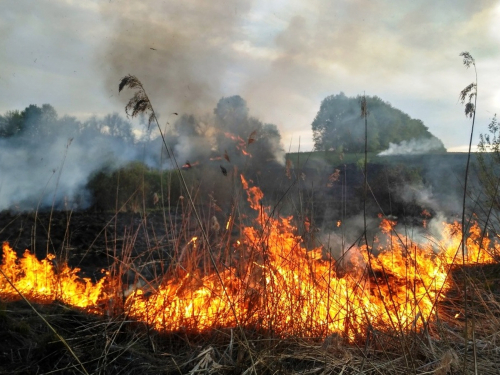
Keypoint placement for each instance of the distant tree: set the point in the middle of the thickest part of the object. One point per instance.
(11, 124)
(110, 125)
(268, 143)
(488, 160)
(189, 126)
(32, 123)
(338, 126)
(231, 114)
(262, 141)
(35, 123)
(117, 126)
(39, 121)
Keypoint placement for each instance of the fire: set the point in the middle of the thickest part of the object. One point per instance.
(40, 282)
(479, 247)
(240, 143)
(189, 165)
(275, 284)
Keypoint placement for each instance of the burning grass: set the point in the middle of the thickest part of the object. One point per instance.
(391, 308)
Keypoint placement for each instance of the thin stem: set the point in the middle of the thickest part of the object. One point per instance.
(203, 231)
(464, 249)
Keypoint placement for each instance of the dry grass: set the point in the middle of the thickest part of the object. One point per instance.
(115, 344)
(120, 346)
(462, 337)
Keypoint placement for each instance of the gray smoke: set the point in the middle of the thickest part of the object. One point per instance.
(48, 161)
(181, 52)
(51, 164)
(413, 147)
(229, 137)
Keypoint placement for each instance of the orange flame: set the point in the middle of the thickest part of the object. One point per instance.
(246, 153)
(277, 284)
(39, 281)
(241, 144)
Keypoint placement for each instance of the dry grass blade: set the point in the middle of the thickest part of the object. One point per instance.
(140, 103)
(469, 93)
(470, 111)
(363, 107)
(129, 81)
(47, 323)
(448, 360)
(288, 169)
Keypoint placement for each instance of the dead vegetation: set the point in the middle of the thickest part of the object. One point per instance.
(269, 323)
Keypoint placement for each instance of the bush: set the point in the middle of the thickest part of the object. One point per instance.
(134, 187)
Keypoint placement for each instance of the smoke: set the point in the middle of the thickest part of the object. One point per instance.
(284, 58)
(47, 161)
(413, 147)
(181, 51)
(230, 137)
(51, 160)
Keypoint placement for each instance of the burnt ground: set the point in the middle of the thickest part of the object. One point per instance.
(87, 239)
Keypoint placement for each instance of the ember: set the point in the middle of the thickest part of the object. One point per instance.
(189, 165)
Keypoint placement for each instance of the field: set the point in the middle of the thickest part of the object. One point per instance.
(254, 290)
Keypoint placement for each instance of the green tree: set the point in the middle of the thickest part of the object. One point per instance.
(38, 121)
(338, 127)
(489, 163)
(32, 123)
(11, 124)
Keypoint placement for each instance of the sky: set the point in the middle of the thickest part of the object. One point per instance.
(282, 57)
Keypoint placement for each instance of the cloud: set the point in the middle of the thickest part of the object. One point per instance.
(283, 57)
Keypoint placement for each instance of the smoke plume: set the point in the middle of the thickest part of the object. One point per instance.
(413, 147)
(47, 161)
(39, 169)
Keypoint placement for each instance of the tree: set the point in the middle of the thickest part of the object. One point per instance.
(110, 125)
(262, 141)
(338, 127)
(11, 124)
(489, 162)
(32, 123)
(39, 121)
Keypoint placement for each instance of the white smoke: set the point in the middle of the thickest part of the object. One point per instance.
(51, 166)
(50, 161)
(413, 147)
(54, 173)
